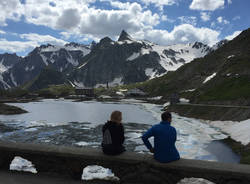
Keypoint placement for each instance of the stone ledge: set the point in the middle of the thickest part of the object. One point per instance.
(129, 165)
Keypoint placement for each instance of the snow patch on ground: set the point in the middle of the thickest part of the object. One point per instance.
(230, 56)
(209, 78)
(166, 104)
(105, 96)
(239, 131)
(98, 172)
(189, 90)
(155, 98)
(194, 181)
(20, 164)
(184, 100)
(83, 143)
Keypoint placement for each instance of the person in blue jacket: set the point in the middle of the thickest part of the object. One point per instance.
(164, 140)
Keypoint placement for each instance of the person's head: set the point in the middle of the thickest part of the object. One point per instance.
(166, 116)
(116, 116)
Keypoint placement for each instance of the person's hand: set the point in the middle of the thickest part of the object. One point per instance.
(152, 150)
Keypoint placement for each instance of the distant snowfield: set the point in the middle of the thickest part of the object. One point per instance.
(238, 131)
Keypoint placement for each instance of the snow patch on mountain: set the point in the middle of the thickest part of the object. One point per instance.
(133, 56)
(174, 56)
(116, 82)
(13, 79)
(44, 58)
(68, 47)
(29, 68)
(71, 60)
(5, 85)
(151, 73)
(2, 67)
(209, 78)
(82, 65)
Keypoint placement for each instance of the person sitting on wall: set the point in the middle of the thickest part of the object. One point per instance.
(164, 140)
(113, 135)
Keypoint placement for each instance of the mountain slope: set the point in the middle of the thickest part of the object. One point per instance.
(128, 60)
(222, 76)
(60, 58)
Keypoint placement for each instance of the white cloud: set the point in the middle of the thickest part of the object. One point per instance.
(10, 9)
(222, 21)
(184, 33)
(100, 23)
(2, 32)
(65, 35)
(205, 16)
(16, 46)
(236, 18)
(78, 19)
(42, 39)
(219, 19)
(165, 18)
(70, 18)
(209, 5)
(160, 3)
(188, 20)
(118, 4)
(32, 40)
(232, 36)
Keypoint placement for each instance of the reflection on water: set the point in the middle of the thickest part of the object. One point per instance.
(63, 122)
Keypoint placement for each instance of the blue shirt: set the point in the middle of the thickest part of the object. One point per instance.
(164, 142)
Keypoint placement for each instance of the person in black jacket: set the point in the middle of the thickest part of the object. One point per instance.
(113, 135)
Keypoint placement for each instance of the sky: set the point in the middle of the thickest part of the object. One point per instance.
(26, 24)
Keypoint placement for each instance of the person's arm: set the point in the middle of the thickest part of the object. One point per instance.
(122, 134)
(145, 138)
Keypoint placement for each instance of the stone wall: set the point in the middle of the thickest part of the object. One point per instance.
(129, 167)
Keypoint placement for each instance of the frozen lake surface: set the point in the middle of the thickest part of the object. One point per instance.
(63, 122)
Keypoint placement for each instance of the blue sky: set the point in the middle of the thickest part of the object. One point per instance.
(26, 24)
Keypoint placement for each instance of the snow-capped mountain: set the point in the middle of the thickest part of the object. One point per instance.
(7, 61)
(124, 61)
(61, 58)
(128, 60)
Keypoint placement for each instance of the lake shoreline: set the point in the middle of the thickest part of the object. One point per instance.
(10, 110)
(236, 146)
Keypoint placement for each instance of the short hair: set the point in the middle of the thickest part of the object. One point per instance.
(165, 116)
(116, 116)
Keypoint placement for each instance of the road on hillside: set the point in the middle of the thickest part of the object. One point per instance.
(209, 105)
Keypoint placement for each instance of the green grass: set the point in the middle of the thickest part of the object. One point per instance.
(231, 88)
(57, 90)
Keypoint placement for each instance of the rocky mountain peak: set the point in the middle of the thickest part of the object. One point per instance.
(198, 45)
(72, 44)
(105, 41)
(124, 36)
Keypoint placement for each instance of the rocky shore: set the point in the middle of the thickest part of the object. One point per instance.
(238, 148)
(212, 113)
(9, 109)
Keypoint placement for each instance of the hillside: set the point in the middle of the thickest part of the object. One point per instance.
(221, 77)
